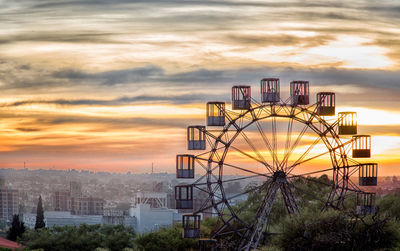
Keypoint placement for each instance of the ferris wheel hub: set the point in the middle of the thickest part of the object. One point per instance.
(279, 176)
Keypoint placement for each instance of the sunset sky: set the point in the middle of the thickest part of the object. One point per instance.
(112, 85)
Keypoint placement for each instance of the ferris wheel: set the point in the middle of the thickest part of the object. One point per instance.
(271, 146)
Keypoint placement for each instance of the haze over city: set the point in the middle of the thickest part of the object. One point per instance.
(112, 85)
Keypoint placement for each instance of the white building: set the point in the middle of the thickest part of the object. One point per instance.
(65, 218)
(151, 219)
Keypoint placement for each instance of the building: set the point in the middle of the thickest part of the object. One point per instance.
(151, 219)
(62, 218)
(155, 200)
(75, 189)
(77, 204)
(65, 218)
(61, 201)
(8, 203)
(117, 217)
(87, 206)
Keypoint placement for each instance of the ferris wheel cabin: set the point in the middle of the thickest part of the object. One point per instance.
(191, 225)
(185, 166)
(241, 97)
(216, 113)
(270, 90)
(196, 137)
(347, 123)
(326, 103)
(368, 174)
(300, 92)
(361, 146)
(184, 197)
(366, 203)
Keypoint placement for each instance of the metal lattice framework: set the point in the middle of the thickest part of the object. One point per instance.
(271, 144)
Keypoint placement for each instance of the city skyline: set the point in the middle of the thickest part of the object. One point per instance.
(112, 86)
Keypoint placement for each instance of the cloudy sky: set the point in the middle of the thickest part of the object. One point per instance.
(112, 85)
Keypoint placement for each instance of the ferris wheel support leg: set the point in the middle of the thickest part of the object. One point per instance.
(289, 199)
(253, 235)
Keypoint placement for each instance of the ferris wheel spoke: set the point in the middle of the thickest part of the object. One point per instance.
(315, 180)
(247, 170)
(314, 106)
(248, 141)
(288, 138)
(223, 200)
(353, 169)
(275, 162)
(206, 168)
(208, 201)
(213, 151)
(223, 227)
(199, 179)
(235, 231)
(202, 177)
(206, 191)
(242, 169)
(226, 224)
(260, 157)
(267, 143)
(209, 134)
(297, 141)
(305, 192)
(208, 152)
(231, 180)
(269, 167)
(301, 160)
(354, 186)
(305, 174)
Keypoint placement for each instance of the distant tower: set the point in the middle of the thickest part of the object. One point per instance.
(152, 167)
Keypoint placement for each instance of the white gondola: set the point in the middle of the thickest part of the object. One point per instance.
(361, 146)
(347, 123)
(270, 90)
(216, 113)
(191, 225)
(184, 197)
(368, 174)
(196, 137)
(185, 166)
(300, 92)
(326, 103)
(241, 97)
(366, 203)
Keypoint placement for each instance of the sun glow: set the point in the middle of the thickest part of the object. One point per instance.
(368, 116)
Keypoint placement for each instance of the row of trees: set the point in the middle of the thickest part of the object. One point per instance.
(106, 237)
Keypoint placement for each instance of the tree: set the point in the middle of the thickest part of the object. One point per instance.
(167, 239)
(334, 230)
(17, 229)
(39, 215)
